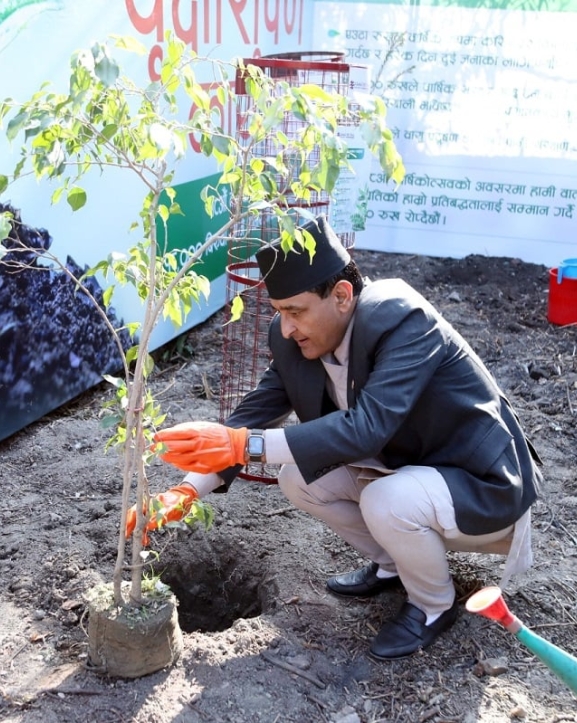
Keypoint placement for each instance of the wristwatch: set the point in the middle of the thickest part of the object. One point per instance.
(255, 446)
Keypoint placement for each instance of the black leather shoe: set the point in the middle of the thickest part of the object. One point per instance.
(407, 632)
(361, 583)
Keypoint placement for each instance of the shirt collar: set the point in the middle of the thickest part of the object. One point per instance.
(341, 353)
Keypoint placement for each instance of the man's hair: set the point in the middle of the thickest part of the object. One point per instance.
(350, 273)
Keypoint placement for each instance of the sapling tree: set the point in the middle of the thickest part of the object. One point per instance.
(105, 120)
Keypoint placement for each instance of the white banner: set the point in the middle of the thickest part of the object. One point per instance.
(482, 103)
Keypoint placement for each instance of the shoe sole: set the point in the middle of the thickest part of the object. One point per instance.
(393, 584)
(382, 659)
(349, 595)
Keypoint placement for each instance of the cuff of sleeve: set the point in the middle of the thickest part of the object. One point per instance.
(203, 483)
(276, 446)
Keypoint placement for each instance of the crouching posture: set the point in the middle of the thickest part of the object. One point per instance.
(405, 447)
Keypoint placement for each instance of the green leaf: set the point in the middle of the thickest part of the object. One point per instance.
(175, 50)
(200, 97)
(133, 328)
(109, 130)
(159, 420)
(19, 166)
(169, 78)
(170, 261)
(222, 144)
(115, 381)
(173, 311)
(131, 354)
(236, 308)
(163, 212)
(76, 198)
(5, 226)
(316, 92)
(107, 71)
(309, 243)
(126, 42)
(257, 165)
(16, 125)
(111, 420)
(5, 107)
(148, 365)
(398, 174)
(268, 183)
(3, 183)
(206, 145)
(208, 205)
(203, 285)
(107, 295)
(57, 195)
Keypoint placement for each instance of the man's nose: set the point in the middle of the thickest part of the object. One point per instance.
(287, 327)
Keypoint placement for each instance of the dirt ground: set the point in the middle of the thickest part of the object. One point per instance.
(263, 639)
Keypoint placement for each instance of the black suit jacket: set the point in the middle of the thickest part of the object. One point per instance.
(417, 394)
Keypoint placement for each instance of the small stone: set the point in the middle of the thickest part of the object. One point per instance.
(455, 296)
(72, 604)
(494, 666)
(347, 715)
(518, 712)
(301, 662)
(69, 619)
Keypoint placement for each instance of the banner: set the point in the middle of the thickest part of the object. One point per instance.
(482, 103)
(53, 345)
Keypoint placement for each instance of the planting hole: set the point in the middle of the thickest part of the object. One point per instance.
(213, 593)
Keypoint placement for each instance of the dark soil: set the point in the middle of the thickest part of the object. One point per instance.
(263, 641)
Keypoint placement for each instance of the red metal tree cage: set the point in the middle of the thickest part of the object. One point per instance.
(245, 343)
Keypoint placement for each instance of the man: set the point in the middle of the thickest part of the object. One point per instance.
(406, 446)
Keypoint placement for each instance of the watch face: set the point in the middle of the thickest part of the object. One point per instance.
(255, 446)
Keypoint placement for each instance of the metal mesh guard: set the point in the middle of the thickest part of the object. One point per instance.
(245, 342)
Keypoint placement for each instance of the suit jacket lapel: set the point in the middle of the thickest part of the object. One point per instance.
(311, 379)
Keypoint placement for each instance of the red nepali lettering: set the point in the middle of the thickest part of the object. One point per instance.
(197, 22)
(217, 7)
(187, 35)
(147, 24)
(154, 62)
(237, 7)
(290, 24)
(186, 27)
(272, 23)
(278, 15)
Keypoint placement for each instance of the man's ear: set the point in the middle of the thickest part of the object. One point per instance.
(343, 292)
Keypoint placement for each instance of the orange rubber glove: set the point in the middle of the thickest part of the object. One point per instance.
(203, 446)
(170, 506)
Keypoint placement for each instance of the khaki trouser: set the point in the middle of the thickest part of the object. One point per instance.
(404, 521)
